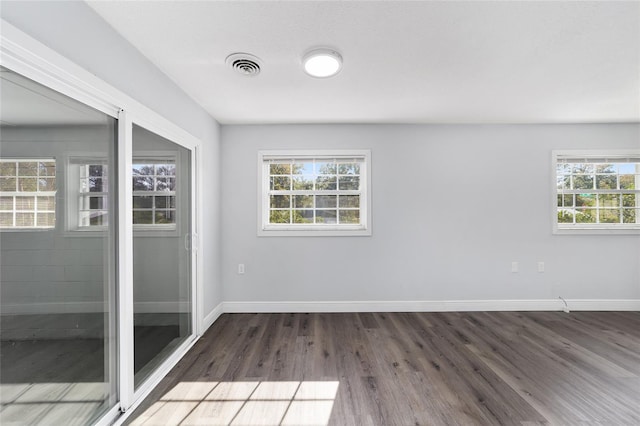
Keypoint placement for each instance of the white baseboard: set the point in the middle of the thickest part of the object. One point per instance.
(208, 320)
(160, 307)
(90, 307)
(604, 305)
(53, 308)
(435, 306)
(338, 306)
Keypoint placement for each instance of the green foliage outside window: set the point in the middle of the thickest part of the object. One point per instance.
(597, 193)
(314, 191)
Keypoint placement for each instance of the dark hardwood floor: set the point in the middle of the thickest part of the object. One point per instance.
(475, 368)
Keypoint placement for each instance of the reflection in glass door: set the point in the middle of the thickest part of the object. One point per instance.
(57, 243)
(161, 214)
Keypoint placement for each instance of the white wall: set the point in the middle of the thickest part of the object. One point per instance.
(74, 30)
(453, 206)
(426, 244)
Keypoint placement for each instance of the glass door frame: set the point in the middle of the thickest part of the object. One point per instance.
(128, 394)
(27, 56)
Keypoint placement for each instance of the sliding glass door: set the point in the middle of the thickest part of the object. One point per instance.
(57, 245)
(161, 182)
(97, 277)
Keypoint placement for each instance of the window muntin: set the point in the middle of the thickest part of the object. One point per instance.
(314, 192)
(154, 193)
(93, 197)
(597, 192)
(28, 193)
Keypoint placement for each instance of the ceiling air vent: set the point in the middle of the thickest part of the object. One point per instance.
(244, 63)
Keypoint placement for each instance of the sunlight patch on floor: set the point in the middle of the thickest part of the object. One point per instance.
(264, 403)
(51, 403)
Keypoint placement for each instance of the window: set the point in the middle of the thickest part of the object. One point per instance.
(314, 193)
(93, 197)
(27, 193)
(154, 193)
(597, 190)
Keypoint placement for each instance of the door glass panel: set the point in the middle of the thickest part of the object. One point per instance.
(57, 331)
(161, 249)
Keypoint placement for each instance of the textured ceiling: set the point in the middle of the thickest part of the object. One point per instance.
(404, 62)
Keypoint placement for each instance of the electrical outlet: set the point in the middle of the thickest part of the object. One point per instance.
(514, 267)
(540, 266)
(240, 268)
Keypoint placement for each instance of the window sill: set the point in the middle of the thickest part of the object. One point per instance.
(27, 229)
(292, 231)
(138, 230)
(585, 230)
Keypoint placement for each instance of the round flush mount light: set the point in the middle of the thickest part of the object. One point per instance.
(322, 63)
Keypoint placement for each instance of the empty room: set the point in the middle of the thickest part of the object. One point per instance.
(345, 213)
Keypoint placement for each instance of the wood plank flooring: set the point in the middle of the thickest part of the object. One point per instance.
(475, 368)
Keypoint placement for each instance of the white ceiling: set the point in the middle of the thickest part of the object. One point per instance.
(404, 62)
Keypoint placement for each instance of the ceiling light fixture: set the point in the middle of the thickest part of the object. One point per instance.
(322, 63)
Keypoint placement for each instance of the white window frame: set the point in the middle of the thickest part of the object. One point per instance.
(320, 230)
(31, 194)
(156, 158)
(74, 194)
(72, 206)
(613, 156)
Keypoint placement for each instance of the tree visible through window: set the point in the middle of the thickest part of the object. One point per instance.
(94, 195)
(598, 192)
(314, 192)
(27, 193)
(154, 193)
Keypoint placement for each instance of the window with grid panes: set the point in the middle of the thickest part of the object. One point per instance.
(597, 191)
(154, 193)
(314, 192)
(27, 193)
(93, 195)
